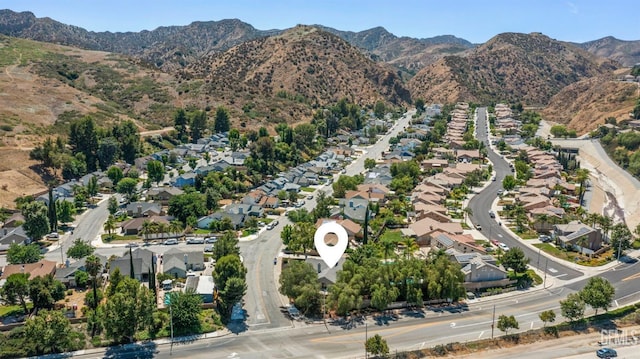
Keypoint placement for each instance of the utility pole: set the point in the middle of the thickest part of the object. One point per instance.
(171, 314)
(61, 253)
(544, 284)
(493, 322)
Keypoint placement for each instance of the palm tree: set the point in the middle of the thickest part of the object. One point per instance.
(163, 228)
(146, 229)
(410, 246)
(542, 220)
(110, 225)
(388, 246)
(582, 241)
(582, 175)
(467, 212)
(93, 267)
(605, 224)
(175, 227)
(592, 218)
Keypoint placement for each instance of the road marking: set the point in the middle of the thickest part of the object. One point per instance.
(617, 305)
(631, 277)
(479, 336)
(499, 235)
(553, 270)
(233, 355)
(560, 275)
(531, 325)
(422, 344)
(452, 325)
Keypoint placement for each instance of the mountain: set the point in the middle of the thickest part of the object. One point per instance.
(305, 65)
(510, 67)
(167, 47)
(625, 52)
(585, 104)
(406, 53)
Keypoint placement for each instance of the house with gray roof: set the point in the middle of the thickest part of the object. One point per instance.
(177, 262)
(186, 179)
(326, 276)
(9, 236)
(144, 209)
(578, 236)
(142, 264)
(355, 209)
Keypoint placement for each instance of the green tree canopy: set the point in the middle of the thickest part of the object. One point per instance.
(509, 182)
(183, 206)
(80, 249)
(598, 293)
(53, 332)
(115, 174)
(128, 311)
(128, 187)
(222, 121)
(548, 316)
(376, 345)
(516, 260)
(36, 220)
(65, 211)
(155, 171)
(16, 290)
(186, 307)
(45, 291)
(20, 254)
(506, 323)
(572, 307)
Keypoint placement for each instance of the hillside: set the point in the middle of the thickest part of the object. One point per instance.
(587, 103)
(304, 66)
(626, 53)
(167, 47)
(510, 67)
(406, 53)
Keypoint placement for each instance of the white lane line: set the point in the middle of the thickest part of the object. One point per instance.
(531, 325)
(617, 305)
(480, 336)
(560, 275)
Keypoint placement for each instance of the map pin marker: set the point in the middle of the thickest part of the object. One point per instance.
(331, 254)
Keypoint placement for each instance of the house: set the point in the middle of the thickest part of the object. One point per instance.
(177, 262)
(578, 236)
(40, 268)
(9, 236)
(460, 242)
(134, 226)
(15, 220)
(163, 194)
(186, 179)
(326, 276)
(237, 220)
(480, 271)
(353, 229)
(423, 229)
(142, 264)
(245, 209)
(355, 209)
(143, 209)
(202, 285)
(66, 275)
(467, 155)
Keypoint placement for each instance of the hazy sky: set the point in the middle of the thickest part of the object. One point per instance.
(474, 20)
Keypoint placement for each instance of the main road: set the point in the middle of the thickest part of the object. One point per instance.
(481, 203)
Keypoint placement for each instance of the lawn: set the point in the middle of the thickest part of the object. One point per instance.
(114, 237)
(307, 189)
(393, 235)
(8, 310)
(603, 258)
(248, 232)
(201, 231)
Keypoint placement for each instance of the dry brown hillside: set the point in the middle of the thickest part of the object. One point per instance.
(281, 77)
(510, 67)
(586, 104)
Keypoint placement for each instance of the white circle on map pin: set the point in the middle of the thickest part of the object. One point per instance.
(331, 254)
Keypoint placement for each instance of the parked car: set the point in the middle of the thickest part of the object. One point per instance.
(495, 242)
(500, 192)
(195, 240)
(503, 246)
(53, 235)
(478, 227)
(132, 245)
(492, 214)
(310, 196)
(606, 353)
(272, 225)
(544, 238)
(211, 240)
(170, 242)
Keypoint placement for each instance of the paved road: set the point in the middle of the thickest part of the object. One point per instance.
(481, 203)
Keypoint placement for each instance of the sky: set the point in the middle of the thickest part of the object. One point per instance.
(474, 20)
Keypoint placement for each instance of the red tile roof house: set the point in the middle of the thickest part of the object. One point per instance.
(463, 243)
(423, 229)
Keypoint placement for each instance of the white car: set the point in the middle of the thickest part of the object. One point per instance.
(195, 240)
(503, 246)
(170, 242)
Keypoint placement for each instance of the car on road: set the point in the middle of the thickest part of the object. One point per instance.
(492, 214)
(300, 204)
(272, 225)
(495, 242)
(310, 197)
(606, 353)
(53, 235)
(195, 240)
(500, 192)
(493, 178)
(170, 242)
(210, 240)
(503, 246)
(478, 227)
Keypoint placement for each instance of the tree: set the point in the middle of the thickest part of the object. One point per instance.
(234, 290)
(180, 124)
(115, 174)
(113, 205)
(548, 316)
(516, 260)
(83, 138)
(92, 186)
(186, 307)
(155, 171)
(45, 291)
(82, 278)
(52, 214)
(382, 295)
(36, 220)
(379, 109)
(211, 199)
(573, 307)
(79, 249)
(295, 276)
(221, 123)
(16, 290)
(110, 225)
(621, 238)
(129, 310)
(65, 211)
(419, 103)
(108, 149)
(53, 332)
(228, 267)
(187, 205)
(376, 345)
(19, 254)
(598, 293)
(506, 323)
(198, 125)
(93, 267)
(369, 163)
(127, 186)
(509, 182)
